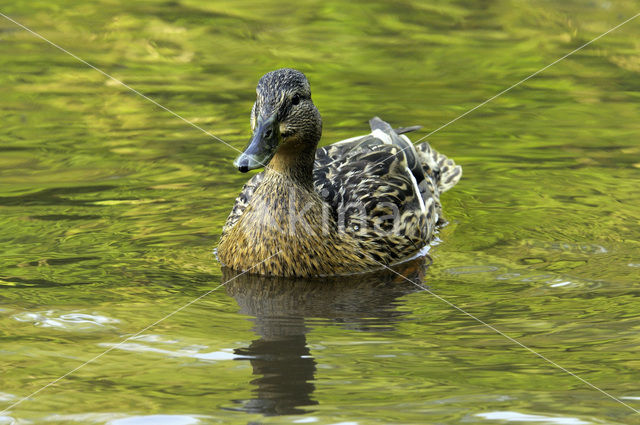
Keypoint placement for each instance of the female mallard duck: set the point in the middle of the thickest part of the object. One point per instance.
(349, 207)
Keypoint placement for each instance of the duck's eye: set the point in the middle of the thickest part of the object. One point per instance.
(295, 99)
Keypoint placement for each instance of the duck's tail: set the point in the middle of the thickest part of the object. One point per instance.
(444, 169)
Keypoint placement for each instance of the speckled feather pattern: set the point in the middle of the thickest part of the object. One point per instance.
(372, 171)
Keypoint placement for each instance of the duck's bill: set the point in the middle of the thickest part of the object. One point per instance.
(262, 147)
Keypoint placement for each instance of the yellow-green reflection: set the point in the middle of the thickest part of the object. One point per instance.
(110, 208)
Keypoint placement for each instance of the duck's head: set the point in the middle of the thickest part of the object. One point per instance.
(284, 120)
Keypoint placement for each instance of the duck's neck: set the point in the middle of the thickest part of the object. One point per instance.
(294, 163)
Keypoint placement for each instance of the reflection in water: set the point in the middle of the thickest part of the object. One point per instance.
(282, 363)
(284, 371)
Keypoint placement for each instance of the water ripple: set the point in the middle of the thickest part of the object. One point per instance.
(66, 321)
(522, 417)
(157, 420)
(191, 351)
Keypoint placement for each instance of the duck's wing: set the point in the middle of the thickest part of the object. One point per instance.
(439, 172)
(242, 200)
(434, 172)
(384, 174)
(374, 194)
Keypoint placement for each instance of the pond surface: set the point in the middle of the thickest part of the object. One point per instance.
(110, 208)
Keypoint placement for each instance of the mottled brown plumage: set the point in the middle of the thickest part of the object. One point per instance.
(344, 208)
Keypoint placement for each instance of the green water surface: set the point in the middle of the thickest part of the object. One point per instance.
(110, 208)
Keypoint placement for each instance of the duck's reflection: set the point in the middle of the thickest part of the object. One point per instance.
(282, 309)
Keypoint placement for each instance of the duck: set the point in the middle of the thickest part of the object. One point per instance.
(355, 206)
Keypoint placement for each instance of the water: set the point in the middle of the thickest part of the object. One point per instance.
(110, 208)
